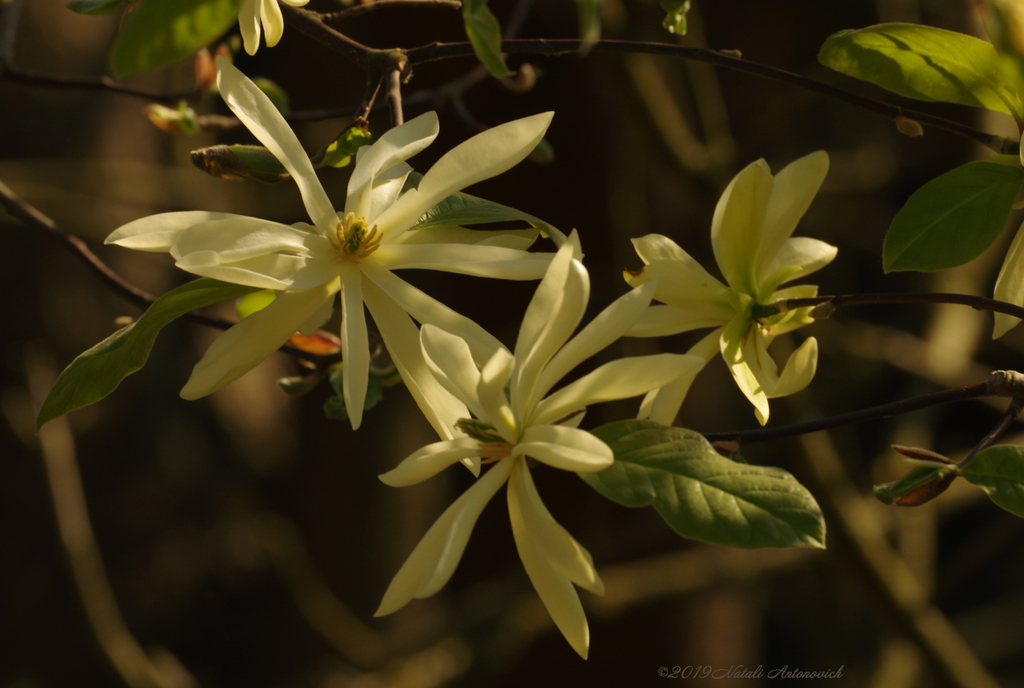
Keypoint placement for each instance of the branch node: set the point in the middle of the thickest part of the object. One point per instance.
(1006, 383)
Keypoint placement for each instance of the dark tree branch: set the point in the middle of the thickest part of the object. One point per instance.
(103, 83)
(395, 97)
(825, 305)
(1008, 417)
(356, 10)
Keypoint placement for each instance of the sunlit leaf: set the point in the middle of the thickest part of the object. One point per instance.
(159, 31)
(98, 371)
(256, 301)
(484, 33)
(339, 152)
(953, 218)
(675, 16)
(703, 495)
(999, 471)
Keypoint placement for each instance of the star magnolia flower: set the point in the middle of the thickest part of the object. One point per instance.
(751, 235)
(254, 13)
(509, 428)
(353, 252)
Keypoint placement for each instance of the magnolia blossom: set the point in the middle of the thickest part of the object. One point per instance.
(751, 235)
(1010, 283)
(254, 13)
(353, 252)
(525, 422)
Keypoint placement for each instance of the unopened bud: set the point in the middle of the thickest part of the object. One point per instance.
(240, 162)
(182, 120)
(909, 127)
(922, 454)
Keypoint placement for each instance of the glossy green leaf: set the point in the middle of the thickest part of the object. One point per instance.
(340, 152)
(159, 31)
(589, 12)
(999, 471)
(96, 7)
(703, 495)
(925, 63)
(463, 209)
(675, 16)
(953, 218)
(98, 371)
(484, 33)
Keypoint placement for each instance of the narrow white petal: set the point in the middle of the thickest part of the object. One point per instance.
(159, 232)
(653, 247)
(249, 24)
(318, 319)
(402, 339)
(553, 587)
(248, 343)
(396, 145)
(272, 271)
(621, 379)
(273, 21)
(610, 324)
(1010, 283)
(430, 460)
(355, 345)
(799, 370)
(260, 116)
(520, 239)
(680, 285)
(569, 449)
(794, 189)
(387, 187)
(734, 345)
(434, 560)
(296, 3)
(238, 238)
(494, 378)
(427, 309)
(662, 321)
(476, 260)
(662, 405)
(451, 362)
(797, 258)
(738, 223)
(481, 157)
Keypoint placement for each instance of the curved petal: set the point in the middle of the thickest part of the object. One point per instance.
(430, 460)
(735, 346)
(159, 232)
(738, 223)
(441, 409)
(662, 405)
(1010, 283)
(387, 187)
(491, 392)
(249, 24)
(273, 21)
(662, 321)
(465, 259)
(246, 344)
(554, 588)
(452, 364)
(610, 324)
(238, 238)
(621, 379)
(795, 187)
(797, 258)
(434, 560)
(273, 271)
(260, 116)
(355, 344)
(396, 145)
(799, 370)
(654, 247)
(296, 3)
(481, 157)
(680, 285)
(426, 309)
(520, 239)
(569, 449)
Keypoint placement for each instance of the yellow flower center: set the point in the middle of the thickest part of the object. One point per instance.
(355, 241)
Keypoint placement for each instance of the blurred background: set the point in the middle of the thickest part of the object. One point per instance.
(244, 540)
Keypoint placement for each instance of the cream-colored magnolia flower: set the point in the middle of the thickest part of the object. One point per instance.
(751, 235)
(354, 252)
(254, 14)
(525, 422)
(1010, 283)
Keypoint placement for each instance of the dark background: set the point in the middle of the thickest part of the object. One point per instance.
(245, 537)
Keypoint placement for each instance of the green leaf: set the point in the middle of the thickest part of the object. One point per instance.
(96, 7)
(334, 407)
(953, 218)
(675, 15)
(256, 301)
(484, 33)
(925, 63)
(160, 31)
(339, 152)
(98, 371)
(999, 471)
(463, 209)
(589, 12)
(703, 495)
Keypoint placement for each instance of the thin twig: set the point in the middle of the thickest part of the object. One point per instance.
(356, 10)
(1004, 422)
(103, 83)
(978, 303)
(395, 97)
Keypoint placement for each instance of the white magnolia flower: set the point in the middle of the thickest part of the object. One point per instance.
(252, 14)
(751, 235)
(354, 252)
(509, 427)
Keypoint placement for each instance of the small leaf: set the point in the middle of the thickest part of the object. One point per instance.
(256, 301)
(999, 471)
(953, 218)
(920, 485)
(98, 371)
(589, 12)
(484, 33)
(96, 7)
(160, 31)
(339, 152)
(925, 63)
(703, 495)
(334, 407)
(675, 16)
